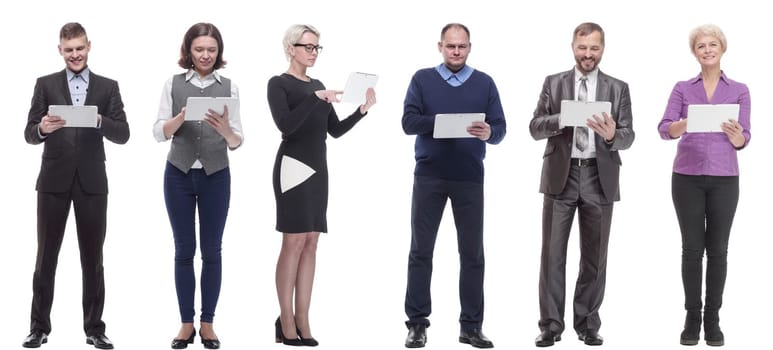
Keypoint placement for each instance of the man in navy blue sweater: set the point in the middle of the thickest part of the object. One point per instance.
(449, 168)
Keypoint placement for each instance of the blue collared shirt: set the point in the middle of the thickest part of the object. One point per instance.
(454, 79)
(79, 86)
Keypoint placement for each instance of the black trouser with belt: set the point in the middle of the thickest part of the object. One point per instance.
(582, 194)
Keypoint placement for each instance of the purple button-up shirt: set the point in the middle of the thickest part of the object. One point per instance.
(706, 153)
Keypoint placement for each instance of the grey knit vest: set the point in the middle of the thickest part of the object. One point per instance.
(196, 139)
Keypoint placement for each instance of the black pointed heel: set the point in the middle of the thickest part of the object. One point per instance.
(280, 337)
(307, 341)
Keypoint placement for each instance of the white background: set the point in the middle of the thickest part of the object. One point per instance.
(361, 271)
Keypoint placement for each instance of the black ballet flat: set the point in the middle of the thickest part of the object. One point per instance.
(183, 343)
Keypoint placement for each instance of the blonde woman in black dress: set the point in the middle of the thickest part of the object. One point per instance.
(302, 110)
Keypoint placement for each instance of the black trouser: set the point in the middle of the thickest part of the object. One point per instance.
(430, 195)
(705, 207)
(90, 217)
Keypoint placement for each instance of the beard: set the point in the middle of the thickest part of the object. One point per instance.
(587, 65)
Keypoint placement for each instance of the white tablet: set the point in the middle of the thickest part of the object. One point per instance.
(75, 116)
(197, 107)
(577, 113)
(454, 125)
(356, 86)
(709, 118)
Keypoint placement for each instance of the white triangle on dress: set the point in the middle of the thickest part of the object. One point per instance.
(292, 173)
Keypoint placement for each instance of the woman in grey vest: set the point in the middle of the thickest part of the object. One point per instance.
(197, 173)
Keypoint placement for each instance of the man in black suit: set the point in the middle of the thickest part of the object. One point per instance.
(72, 171)
(580, 171)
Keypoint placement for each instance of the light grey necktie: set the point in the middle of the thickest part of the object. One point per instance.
(581, 132)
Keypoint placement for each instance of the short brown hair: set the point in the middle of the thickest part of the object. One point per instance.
(454, 25)
(195, 31)
(72, 30)
(585, 29)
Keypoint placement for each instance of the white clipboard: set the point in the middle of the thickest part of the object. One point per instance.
(709, 118)
(356, 87)
(75, 116)
(454, 125)
(576, 113)
(197, 107)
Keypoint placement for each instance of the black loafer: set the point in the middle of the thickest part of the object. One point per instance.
(100, 341)
(591, 337)
(35, 339)
(417, 336)
(547, 338)
(475, 338)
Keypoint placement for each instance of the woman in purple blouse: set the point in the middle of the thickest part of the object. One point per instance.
(704, 186)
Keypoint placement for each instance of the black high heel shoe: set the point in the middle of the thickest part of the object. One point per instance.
(280, 337)
(183, 343)
(210, 343)
(307, 341)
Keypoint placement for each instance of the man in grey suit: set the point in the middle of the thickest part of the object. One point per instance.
(580, 171)
(72, 172)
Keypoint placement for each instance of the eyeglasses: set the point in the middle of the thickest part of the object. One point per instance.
(309, 47)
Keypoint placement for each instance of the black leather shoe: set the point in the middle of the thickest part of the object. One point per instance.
(591, 337)
(692, 328)
(35, 339)
(209, 343)
(183, 343)
(475, 338)
(417, 336)
(547, 338)
(100, 341)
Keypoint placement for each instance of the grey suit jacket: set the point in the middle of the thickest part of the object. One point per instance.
(71, 151)
(544, 124)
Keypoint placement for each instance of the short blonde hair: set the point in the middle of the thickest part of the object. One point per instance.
(708, 30)
(294, 33)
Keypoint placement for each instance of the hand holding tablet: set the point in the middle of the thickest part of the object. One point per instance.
(577, 113)
(454, 125)
(709, 118)
(356, 86)
(75, 116)
(197, 107)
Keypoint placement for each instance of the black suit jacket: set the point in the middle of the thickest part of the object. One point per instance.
(558, 151)
(71, 151)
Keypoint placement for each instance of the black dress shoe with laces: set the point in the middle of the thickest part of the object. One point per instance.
(475, 338)
(417, 336)
(591, 337)
(100, 341)
(547, 338)
(35, 339)
(178, 343)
